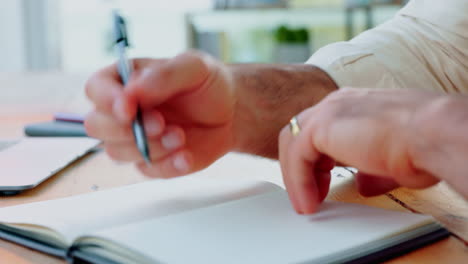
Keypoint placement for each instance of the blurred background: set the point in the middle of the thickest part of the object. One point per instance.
(75, 36)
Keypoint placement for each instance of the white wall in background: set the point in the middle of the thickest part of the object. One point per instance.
(29, 35)
(12, 48)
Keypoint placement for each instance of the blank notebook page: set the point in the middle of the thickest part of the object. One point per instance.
(261, 229)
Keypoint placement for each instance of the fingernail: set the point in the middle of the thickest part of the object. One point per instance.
(152, 125)
(119, 110)
(298, 209)
(171, 141)
(146, 72)
(180, 163)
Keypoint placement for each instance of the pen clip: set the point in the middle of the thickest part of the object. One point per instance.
(120, 29)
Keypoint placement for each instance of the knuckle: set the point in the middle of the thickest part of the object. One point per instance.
(198, 59)
(164, 72)
(319, 136)
(193, 55)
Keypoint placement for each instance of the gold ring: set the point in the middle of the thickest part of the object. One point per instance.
(294, 126)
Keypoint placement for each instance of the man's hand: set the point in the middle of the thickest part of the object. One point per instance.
(188, 109)
(381, 133)
(195, 109)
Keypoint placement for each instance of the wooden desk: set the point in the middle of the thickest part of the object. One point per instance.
(28, 98)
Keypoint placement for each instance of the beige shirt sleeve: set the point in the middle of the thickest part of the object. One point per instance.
(409, 51)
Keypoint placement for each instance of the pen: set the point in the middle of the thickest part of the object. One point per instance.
(125, 71)
(69, 117)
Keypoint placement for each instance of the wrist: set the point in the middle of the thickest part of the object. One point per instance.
(267, 96)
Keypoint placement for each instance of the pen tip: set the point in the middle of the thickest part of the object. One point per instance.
(147, 161)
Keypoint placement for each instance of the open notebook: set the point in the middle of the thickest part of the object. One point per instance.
(201, 219)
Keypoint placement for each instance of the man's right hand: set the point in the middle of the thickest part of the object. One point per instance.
(188, 109)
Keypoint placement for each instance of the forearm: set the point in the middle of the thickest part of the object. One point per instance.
(267, 96)
(440, 142)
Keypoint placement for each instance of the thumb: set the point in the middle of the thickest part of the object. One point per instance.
(370, 185)
(162, 80)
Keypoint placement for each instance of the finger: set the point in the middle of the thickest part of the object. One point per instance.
(172, 140)
(300, 172)
(106, 91)
(176, 164)
(370, 185)
(109, 129)
(105, 127)
(104, 87)
(159, 82)
(283, 146)
(124, 108)
(323, 171)
(415, 179)
(323, 179)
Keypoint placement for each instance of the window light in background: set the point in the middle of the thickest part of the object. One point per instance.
(75, 36)
(156, 28)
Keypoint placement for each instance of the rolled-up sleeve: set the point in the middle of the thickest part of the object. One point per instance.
(405, 52)
(353, 66)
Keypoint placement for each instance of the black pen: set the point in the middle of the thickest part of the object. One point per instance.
(125, 71)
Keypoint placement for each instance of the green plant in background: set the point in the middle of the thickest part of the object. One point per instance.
(287, 35)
